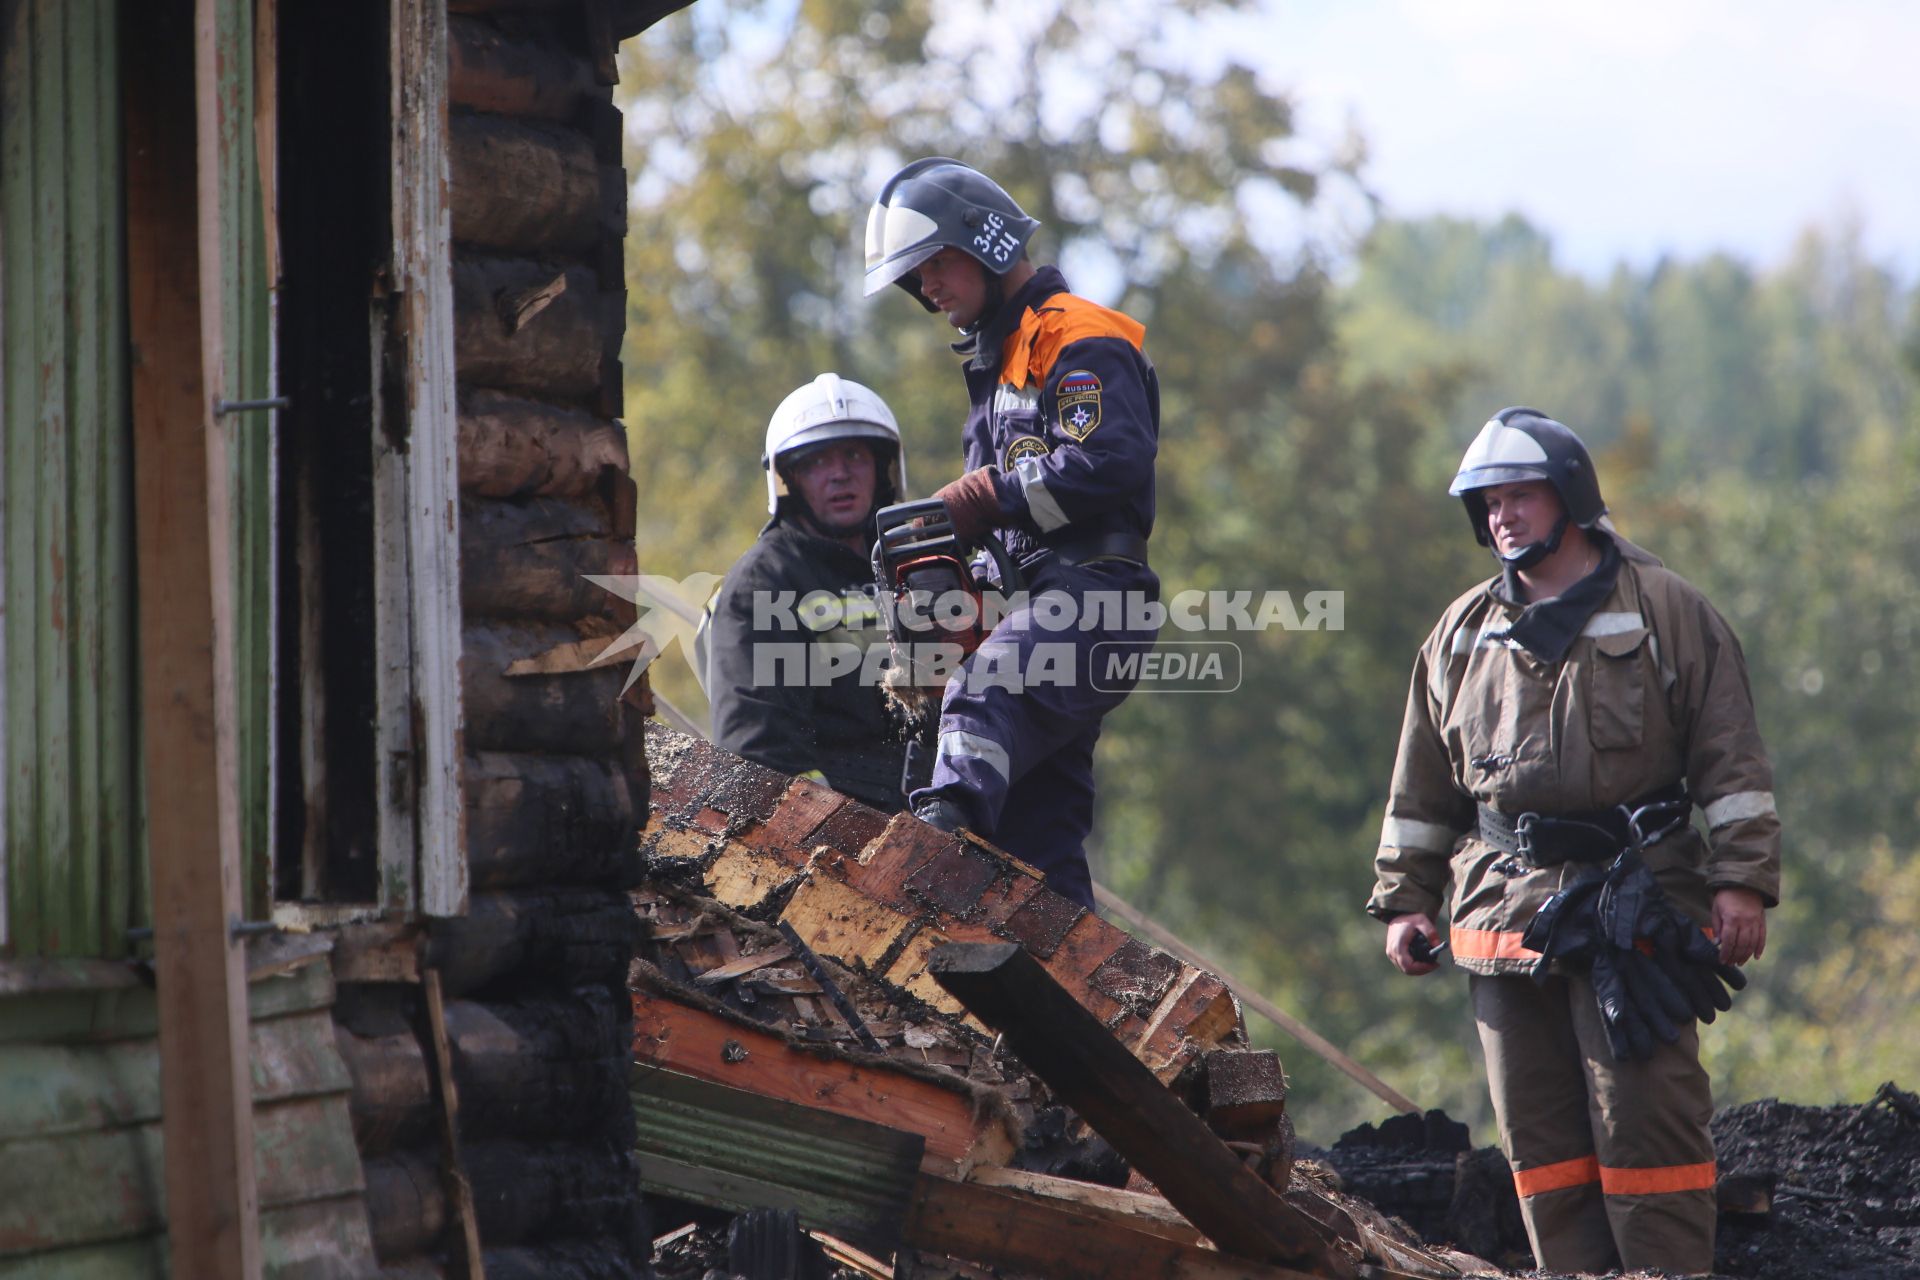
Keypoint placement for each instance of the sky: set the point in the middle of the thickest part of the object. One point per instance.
(1627, 129)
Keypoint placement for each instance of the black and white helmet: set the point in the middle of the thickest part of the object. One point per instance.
(834, 408)
(1525, 444)
(936, 204)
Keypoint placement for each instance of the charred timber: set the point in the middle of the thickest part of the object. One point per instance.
(541, 1069)
(533, 560)
(391, 1103)
(525, 187)
(516, 448)
(547, 820)
(565, 711)
(522, 1194)
(622, 18)
(521, 76)
(406, 1204)
(547, 938)
(534, 328)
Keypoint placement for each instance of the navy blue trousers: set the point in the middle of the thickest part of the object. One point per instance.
(1021, 715)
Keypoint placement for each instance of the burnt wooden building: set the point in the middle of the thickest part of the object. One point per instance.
(341, 931)
(318, 833)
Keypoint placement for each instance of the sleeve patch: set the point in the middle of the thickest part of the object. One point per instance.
(1077, 400)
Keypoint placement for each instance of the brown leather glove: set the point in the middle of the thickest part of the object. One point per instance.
(972, 504)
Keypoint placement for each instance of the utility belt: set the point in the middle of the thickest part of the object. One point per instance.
(1593, 835)
(1117, 545)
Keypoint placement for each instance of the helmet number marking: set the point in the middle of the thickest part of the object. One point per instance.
(995, 241)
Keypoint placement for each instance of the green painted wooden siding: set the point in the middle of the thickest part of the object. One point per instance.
(82, 1165)
(72, 875)
(245, 329)
(73, 871)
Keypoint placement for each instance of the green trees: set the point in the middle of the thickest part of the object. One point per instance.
(1757, 429)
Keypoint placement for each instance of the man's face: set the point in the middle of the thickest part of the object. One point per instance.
(1521, 513)
(956, 283)
(836, 481)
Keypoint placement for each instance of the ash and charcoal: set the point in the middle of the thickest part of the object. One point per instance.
(1807, 1193)
(1845, 1189)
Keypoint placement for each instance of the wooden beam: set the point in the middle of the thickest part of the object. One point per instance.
(1130, 1210)
(709, 1047)
(1325, 1048)
(1019, 1229)
(1068, 1048)
(175, 128)
(423, 272)
(466, 1253)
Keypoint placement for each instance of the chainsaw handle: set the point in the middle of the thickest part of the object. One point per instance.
(909, 529)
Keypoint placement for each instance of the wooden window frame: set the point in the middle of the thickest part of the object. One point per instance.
(418, 726)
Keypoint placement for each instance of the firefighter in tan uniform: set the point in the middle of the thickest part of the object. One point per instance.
(1582, 684)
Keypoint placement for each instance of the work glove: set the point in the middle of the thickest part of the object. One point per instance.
(1566, 928)
(1638, 1004)
(1634, 912)
(972, 503)
(1688, 956)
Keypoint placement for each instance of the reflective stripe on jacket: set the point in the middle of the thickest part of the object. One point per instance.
(1067, 412)
(1654, 690)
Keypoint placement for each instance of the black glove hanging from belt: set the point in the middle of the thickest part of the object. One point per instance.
(1652, 966)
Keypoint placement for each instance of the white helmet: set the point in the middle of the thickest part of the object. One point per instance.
(834, 408)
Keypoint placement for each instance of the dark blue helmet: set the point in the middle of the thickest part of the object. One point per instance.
(936, 204)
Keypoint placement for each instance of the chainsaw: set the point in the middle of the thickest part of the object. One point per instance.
(928, 594)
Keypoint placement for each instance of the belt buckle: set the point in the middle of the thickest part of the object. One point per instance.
(1523, 835)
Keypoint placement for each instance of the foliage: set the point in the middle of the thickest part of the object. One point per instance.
(1756, 428)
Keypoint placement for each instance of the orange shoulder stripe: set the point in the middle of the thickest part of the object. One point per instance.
(1560, 1175)
(1063, 319)
(1661, 1181)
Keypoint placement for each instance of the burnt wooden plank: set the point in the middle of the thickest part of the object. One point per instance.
(1042, 923)
(1060, 1239)
(1244, 1088)
(466, 1243)
(1094, 1074)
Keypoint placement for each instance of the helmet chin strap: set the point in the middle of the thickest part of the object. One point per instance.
(1534, 552)
(996, 298)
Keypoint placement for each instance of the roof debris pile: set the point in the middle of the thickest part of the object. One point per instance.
(905, 1037)
(1833, 1191)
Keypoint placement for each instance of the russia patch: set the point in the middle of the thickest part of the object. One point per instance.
(1077, 400)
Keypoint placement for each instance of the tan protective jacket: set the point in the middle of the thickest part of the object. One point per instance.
(1654, 690)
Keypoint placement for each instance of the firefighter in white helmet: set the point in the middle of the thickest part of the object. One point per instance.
(787, 636)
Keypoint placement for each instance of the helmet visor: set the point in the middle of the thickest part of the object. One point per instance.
(898, 240)
(1500, 455)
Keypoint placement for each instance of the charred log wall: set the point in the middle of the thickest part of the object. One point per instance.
(536, 1013)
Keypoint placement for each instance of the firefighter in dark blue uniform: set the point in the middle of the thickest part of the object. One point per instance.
(1059, 449)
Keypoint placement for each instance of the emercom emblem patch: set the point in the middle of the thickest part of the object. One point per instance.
(1078, 401)
(1024, 447)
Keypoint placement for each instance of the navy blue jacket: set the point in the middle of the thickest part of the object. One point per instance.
(1066, 409)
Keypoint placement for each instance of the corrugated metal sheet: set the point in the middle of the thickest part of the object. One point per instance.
(71, 873)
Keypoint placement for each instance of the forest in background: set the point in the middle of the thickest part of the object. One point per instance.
(1322, 366)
